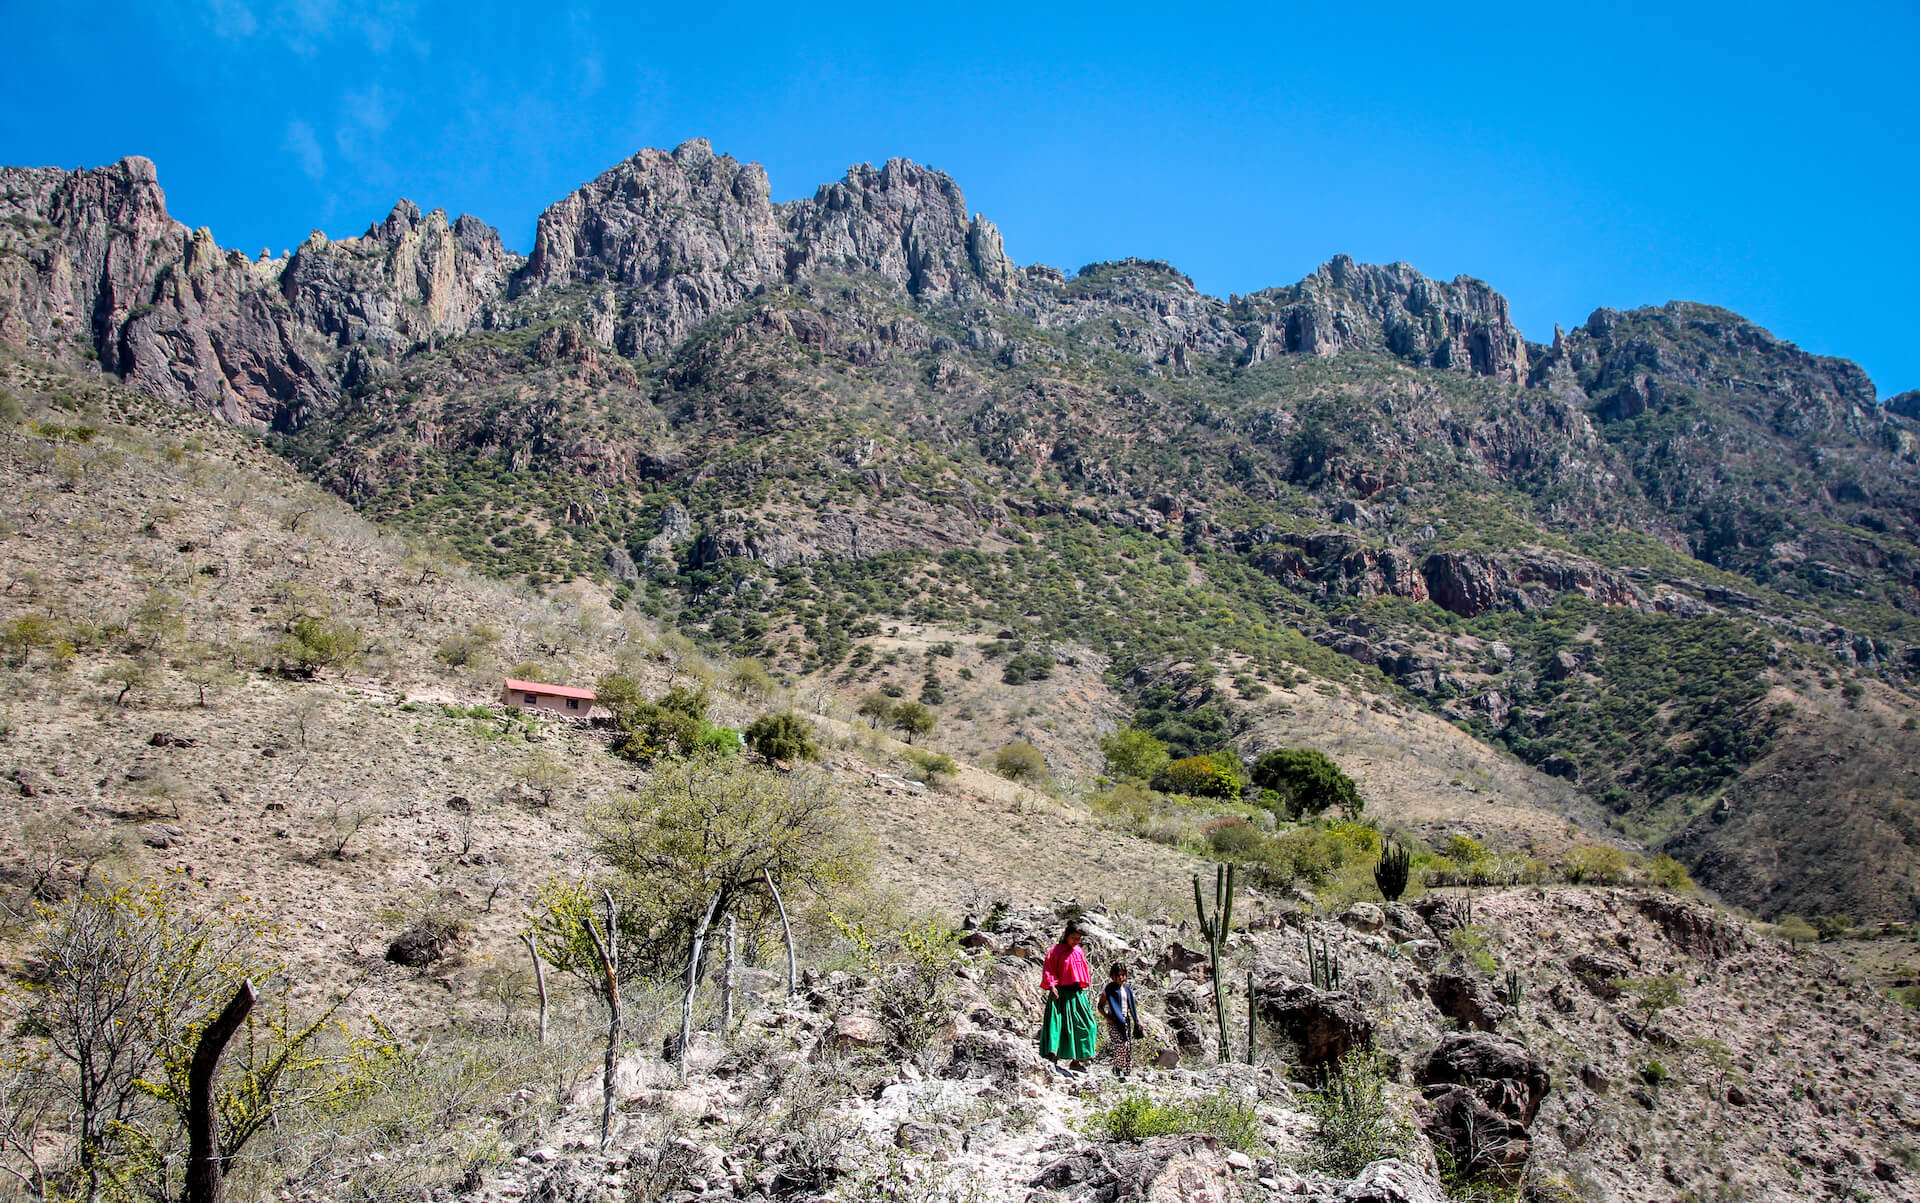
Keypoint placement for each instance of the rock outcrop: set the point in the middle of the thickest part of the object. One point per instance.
(91, 264)
(1460, 326)
(1167, 1169)
(1325, 1024)
(1482, 1093)
(1469, 583)
(687, 234)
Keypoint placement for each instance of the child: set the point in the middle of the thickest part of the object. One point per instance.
(1069, 1029)
(1116, 1003)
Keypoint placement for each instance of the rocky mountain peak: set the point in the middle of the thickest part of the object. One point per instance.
(1459, 326)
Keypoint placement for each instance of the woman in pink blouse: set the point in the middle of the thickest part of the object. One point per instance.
(1069, 1029)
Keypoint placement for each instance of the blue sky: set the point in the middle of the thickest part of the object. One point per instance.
(1762, 157)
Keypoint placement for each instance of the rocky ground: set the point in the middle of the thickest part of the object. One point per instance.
(1555, 1090)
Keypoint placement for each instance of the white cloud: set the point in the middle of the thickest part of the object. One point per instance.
(306, 148)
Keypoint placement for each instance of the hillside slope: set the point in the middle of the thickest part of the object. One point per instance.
(783, 428)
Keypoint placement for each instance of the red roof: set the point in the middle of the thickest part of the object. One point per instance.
(551, 691)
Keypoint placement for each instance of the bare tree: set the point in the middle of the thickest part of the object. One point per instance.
(609, 952)
(539, 980)
(345, 818)
(124, 970)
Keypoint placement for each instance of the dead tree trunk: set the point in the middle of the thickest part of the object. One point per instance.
(206, 1173)
(693, 982)
(609, 954)
(726, 981)
(786, 929)
(539, 981)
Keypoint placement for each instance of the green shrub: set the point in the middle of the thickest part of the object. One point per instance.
(750, 677)
(1669, 874)
(1594, 864)
(1470, 944)
(1308, 782)
(1131, 752)
(1128, 802)
(469, 650)
(1356, 1126)
(1137, 1116)
(1234, 838)
(931, 765)
(782, 736)
(1021, 761)
(312, 644)
(1197, 777)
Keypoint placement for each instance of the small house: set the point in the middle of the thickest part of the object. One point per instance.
(560, 699)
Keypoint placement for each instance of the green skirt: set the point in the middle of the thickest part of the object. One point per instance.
(1069, 1029)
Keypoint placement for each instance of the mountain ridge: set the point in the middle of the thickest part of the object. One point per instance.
(782, 425)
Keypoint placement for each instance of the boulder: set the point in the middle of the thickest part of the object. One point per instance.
(852, 1032)
(1389, 1181)
(1444, 913)
(427, 940)
(1404, 923)
(1326, 1024)
(1014, 987)
(1364, 917)
(1599, 972)
(1480, 1138)
(1001, 1058)
(1482, 1060)
(1482, 1092)
(1180, 959)
(161, 835)
(1692, 927)
(1465, 1000)
(1167, 1169)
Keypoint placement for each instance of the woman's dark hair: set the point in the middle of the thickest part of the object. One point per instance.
(1073, 929)
(1119, 967)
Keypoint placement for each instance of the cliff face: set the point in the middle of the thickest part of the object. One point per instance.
(1462, 326)
(92, 265)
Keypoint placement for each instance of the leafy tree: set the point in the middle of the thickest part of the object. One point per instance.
(208, 668)
(130, 674)
(672, 726)
(1669, 874)
(932, 766)
(750, 677)
(782, 736)
(130, 978)
(1594, 864)
(1133, 753)
(1021, 761)
(21, 636)
(704, 831)
(1198, 777)
(312, 644)
(1308, 782)
(1796, 931)
(876, 708)
(1653, 994)
(913, 719)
